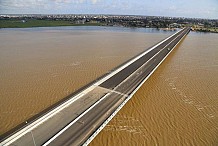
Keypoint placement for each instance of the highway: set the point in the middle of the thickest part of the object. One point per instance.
(78, 120)
(146, 64)
(89, 122)
(119, 77)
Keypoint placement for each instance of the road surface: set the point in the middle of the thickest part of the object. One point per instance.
(80, 118)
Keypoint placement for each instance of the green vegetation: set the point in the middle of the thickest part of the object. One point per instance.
(51, 22)
(13, 23)
(215, 30)
(204, 28)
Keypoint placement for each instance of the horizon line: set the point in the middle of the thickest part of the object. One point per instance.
(110, 14)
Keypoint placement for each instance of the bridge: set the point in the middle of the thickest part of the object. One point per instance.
(81, 117)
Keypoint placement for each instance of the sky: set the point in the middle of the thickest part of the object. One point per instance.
(173, 8)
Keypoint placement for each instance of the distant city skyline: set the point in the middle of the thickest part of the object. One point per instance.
(173, 8)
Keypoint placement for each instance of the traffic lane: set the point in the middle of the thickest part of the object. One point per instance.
(50, 127)
(131, 85)
(132, 82)
(178, 39)
(112, 82)
(122, 75)
(135, 79)
(119, 77)
(79, 132)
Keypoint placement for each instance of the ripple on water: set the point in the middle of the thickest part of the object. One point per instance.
(52, 64)
(177, 105)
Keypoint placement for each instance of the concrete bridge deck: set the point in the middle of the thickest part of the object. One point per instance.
(78, 120)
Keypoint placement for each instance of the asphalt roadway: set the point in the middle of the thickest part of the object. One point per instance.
(77, 120)
(124, 82)
(77, 133)
(119, 77)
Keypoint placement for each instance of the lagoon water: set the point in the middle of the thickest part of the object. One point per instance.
(177, 106)
(40, 66)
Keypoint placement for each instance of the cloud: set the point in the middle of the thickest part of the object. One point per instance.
(22, 3)
(76, 1)
(186, 8)
(33, 3)
(94, 1)
(60, 1)
(172, 8)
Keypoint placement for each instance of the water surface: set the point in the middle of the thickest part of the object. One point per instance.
(40, 66)
(177, 105)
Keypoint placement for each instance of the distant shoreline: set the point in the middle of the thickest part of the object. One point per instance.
(15, 23)
(40, 23)
(211, 30)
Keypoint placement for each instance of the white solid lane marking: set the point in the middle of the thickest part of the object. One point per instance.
(131, 61)
(145, 63)
(74, 121)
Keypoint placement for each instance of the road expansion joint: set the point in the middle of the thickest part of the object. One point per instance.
(113, 91)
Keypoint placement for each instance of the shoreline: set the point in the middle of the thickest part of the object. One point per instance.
(14, 23)
(206, 30)
(11, 23)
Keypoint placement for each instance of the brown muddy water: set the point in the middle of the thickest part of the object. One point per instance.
(178, 105)
(40, 66)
